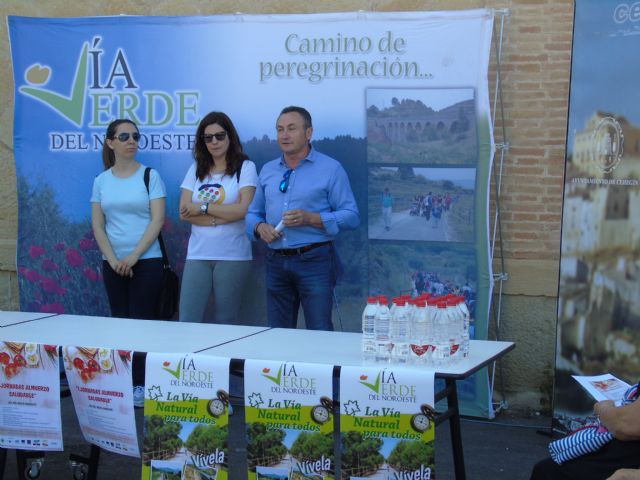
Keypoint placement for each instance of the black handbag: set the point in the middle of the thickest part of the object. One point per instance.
(169, 294)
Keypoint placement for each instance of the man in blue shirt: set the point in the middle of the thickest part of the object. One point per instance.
(307, 196)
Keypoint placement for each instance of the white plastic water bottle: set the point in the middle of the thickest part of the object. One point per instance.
(381, 328)
(419, 346)
(400, 321)
(464, 347)
(455, 328)
(368, 332)
(441, 347)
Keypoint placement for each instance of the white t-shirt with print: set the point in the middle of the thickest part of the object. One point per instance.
(125, 204)
(223, 242)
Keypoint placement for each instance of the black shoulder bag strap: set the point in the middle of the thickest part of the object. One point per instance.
(165, 258)
(238, 172)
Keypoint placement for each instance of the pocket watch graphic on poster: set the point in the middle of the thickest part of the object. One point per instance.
(217, 405)
(421, 422)
(322, 412)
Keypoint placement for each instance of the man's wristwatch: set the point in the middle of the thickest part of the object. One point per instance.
(204, 209)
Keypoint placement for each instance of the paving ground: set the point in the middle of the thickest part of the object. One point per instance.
(502, 449)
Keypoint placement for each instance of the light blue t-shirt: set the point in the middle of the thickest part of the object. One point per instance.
(125, 204)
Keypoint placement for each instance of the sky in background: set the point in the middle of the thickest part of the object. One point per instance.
(605, 68)
(436, 98)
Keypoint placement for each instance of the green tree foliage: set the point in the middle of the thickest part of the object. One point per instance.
(360, 456)
(265, 445)
(160, 436)
(410, 455)
(311, 446)
(207, 438)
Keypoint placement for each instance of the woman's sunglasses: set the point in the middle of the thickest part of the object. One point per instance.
(208, 137)
(124, 136)
(284, 184)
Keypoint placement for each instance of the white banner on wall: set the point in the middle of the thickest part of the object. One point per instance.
(400, 99)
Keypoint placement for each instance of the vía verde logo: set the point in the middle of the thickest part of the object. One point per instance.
(186, 374)
(373, 386)
(387, 388)
(287, 380)
(103, 87)
(276, 379)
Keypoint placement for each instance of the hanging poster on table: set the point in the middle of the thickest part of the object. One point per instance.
(400, 99)
(289, 420)
(102, 392)
(387, 423)
(186, 417)
(30, 397)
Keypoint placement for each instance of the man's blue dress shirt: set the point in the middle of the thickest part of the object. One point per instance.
(319, 184)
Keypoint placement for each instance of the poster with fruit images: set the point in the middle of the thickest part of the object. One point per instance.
(186, 417)
(102, 392)
(387, 423)
(289, 420)
(30, 397)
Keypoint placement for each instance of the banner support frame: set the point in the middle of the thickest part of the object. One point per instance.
(496, 237)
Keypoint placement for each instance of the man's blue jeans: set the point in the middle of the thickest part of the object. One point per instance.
(307, 278)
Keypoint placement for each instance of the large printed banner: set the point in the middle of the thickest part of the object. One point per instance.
(186, 417)
(387, 423)
(30, 397)
(599, 299)
(102, 392)
(289, 420)
(400, 99)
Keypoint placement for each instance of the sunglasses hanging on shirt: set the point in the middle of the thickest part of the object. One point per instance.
(284, 184)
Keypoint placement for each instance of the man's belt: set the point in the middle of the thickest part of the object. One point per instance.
(290, 252)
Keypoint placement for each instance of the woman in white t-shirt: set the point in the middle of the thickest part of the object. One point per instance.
(126, 221)
(216, 193)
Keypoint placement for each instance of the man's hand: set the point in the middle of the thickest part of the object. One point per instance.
(267, 232)
(301, 218)
(625, 474)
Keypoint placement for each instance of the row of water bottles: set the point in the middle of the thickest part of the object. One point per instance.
(425, 330)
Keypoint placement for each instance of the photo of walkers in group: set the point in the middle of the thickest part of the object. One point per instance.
(411, 203)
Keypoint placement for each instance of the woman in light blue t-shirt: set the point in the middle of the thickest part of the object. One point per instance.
(126, 222)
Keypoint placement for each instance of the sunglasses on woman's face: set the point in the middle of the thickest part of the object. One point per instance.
(208, 137)
(124, 136)
(284, 184)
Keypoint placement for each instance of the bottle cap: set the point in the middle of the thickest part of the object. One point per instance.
(442, 304)
(372, 300)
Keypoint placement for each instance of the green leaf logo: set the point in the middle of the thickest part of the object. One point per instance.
(275, 380)
(372, 386)
(71, 107)
(176, 372)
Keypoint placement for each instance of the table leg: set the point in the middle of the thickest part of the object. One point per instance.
(454, 427)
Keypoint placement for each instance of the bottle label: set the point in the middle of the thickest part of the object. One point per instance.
(419, 350)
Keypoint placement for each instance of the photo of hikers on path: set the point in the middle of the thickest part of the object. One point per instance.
(410, 203)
